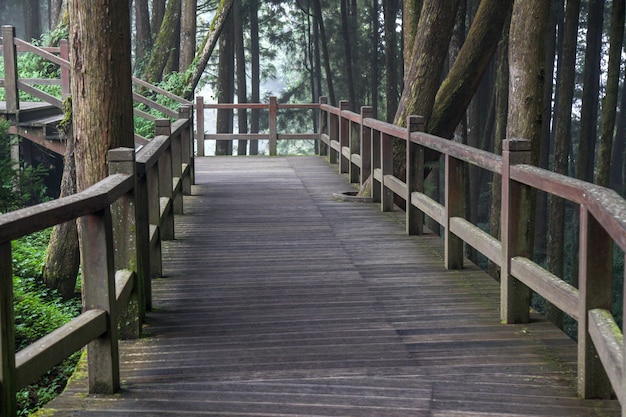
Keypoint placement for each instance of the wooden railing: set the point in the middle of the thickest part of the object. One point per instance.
(122, 219)
(369, 151)
(272, 136)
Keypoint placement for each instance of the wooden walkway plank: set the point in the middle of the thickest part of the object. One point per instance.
(277, 300)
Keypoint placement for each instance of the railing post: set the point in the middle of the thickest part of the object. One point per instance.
(333, 135)
(514, 295)
(344, 138)
(166, 228)
(154, 227)
(376, 165)
(414, 176)
(125, 228)
(323, 127)
(186, 140)
(454, 200)
(9, 52)
(97, 252)
(176, 146)
(65, 72)
(595, 287)
(386, 165)
(199, 126)
(8, 402)
(144, 250)
(273, 133)
(367, 112)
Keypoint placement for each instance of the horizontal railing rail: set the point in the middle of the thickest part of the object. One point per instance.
(123, 220)
(362, 147)
(272, 136)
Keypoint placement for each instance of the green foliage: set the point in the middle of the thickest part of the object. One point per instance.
(38, 311)
(20, 184)
(173, 83)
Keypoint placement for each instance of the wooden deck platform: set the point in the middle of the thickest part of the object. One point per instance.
(279, 301)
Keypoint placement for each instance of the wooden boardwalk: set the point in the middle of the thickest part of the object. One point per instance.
(277, 300)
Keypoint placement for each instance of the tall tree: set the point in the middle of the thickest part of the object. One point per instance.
(143, 36)
(374, 42)
(255, 72)
(242, 96)
(390, 11)
(411, 10)
(566, 70)
(32, 19)
(591, 79)
(165, 43)
(317, 10)
(158, 13)
(348, 57)
(225, 85)
(187, 33)
(609, 106)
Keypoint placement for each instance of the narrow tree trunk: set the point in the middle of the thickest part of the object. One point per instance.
(143, 40)
(242, 95)
(591, 77)
(618, 158)
(255, 70)
(390, 9)
(158, 13)
(374, 53)
(206, 49)
(60, 269)
(411, 10)
(225, 86)
(609, 106)
(347, 50)
(187, 33)
(317, 9)
(165, 42)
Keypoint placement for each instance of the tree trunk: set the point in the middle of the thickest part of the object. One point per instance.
(429, 53)
(609, 105)
(206, 49)
(317, 10)
(143, 40)
(390, 11)
(242, 95)
(466, 73)
(99, 63)
(60, 268)
(618, 158)
(32, 20)
(56, 11)
(411, 10)
(166, 41)
(347, 51)
(256, 73)
(374, 52)
(225, 86)
(158, 12)
(187, 33)
(501, 92)
(591, 77)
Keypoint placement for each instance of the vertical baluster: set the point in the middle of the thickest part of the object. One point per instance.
(184, 112)
(514, 295)
(366, 145)
(454, 200)
(8, 404)
(344, 137)
(333, 135)
(200, 126)
(323, 127)
(376, 165)
(595, 268)
(177, 171)
(273, 132)
(163, 128)
(414, 176)
(96, 249)
(9, 52)
(386, 164)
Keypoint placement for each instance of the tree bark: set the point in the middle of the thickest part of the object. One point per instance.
(374, 46)
(56, 11)
(165, 42)
(187, 33)
(32, 20)
(100, 63)
(60, 269)
(158, 12)
(609, 105)
(411, 10)
(206, 49)
(429, 52)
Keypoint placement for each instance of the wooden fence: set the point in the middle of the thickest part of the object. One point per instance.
(122, 221)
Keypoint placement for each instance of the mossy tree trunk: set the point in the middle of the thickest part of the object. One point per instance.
(165, 43)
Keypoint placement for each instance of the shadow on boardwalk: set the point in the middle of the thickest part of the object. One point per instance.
(277, 300)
